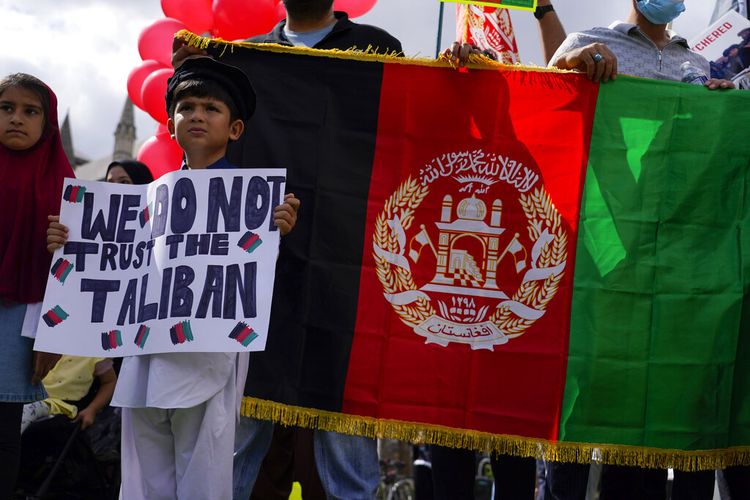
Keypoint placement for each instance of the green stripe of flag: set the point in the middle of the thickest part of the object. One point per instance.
(659, 348)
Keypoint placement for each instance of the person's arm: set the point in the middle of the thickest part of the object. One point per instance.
(107, 382)
(550, 27)
(42, 363)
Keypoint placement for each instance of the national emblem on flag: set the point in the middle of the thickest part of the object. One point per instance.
(473, 296)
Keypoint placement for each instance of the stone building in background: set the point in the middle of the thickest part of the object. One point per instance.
(124, 147)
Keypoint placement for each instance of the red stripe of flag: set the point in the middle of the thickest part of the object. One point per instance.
(526, 373)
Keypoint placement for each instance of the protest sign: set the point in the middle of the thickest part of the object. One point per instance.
(184, 264)
(726, 44)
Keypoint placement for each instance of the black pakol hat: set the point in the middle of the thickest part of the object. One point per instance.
(230, 78)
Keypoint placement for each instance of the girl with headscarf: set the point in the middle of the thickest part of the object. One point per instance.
(32, 168)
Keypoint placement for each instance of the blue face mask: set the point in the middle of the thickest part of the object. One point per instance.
(661, 11)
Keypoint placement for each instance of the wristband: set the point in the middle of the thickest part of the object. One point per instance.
(542, 10)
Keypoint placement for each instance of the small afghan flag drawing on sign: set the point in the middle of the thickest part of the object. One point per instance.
(503, 4)
(142, 336)
(111, 340)
(181, 333)
(243, 334)
(249, 242)
(74, 194)
(145, 215)
(61, 269)
(55, 316)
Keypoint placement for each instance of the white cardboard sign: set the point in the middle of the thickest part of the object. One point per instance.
(184, 264)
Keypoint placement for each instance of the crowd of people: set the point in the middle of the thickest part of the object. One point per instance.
(179, 439)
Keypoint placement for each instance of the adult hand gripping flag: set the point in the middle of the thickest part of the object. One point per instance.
(506, 258)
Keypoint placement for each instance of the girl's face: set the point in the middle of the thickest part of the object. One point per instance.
(118, 175)
(21, 118)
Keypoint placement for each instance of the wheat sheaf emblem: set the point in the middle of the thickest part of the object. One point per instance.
(414, 307)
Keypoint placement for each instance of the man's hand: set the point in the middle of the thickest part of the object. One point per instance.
(285, 215)
(599, 63)
(43, 362)
(459, 54)
(87, 416)
(182, 51)
(719, 84)
(57, 234)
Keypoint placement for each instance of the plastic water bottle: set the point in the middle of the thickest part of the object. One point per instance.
(693, 75)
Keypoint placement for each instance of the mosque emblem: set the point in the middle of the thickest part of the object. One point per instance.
(471, 251)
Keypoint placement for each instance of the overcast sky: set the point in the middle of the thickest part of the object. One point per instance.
(84, 49)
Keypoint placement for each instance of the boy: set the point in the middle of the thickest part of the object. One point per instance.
(180, 409)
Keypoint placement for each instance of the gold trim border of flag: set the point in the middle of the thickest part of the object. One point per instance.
(530, 8)
(520, 446)
(369, 55)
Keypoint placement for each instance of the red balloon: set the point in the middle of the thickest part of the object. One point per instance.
(161, 154)
(240, 19)
(280, 11)
(153, 94)
(354, 8)
(161, 129)
(137, 76)
(155, 41)
(197, 15)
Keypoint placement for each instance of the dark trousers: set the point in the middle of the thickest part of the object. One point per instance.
(454, 470)
(693, 485)
(10, 446)
(569, 481)
(735, 482)
(626, 483)
(565, 481)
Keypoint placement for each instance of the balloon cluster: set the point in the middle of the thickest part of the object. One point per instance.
(226, 19)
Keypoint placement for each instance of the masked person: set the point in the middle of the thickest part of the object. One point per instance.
(640, 46)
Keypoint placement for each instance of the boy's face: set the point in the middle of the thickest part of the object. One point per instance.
(21, 118)
(203, 125)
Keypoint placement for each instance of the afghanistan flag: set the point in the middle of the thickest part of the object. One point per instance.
(506, 258)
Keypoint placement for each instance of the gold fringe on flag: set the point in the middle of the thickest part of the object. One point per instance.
(556, 451)
(369, 54)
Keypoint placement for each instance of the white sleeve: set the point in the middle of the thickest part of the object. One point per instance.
(31, 320)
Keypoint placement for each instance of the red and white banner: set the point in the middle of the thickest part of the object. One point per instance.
(487, 28)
